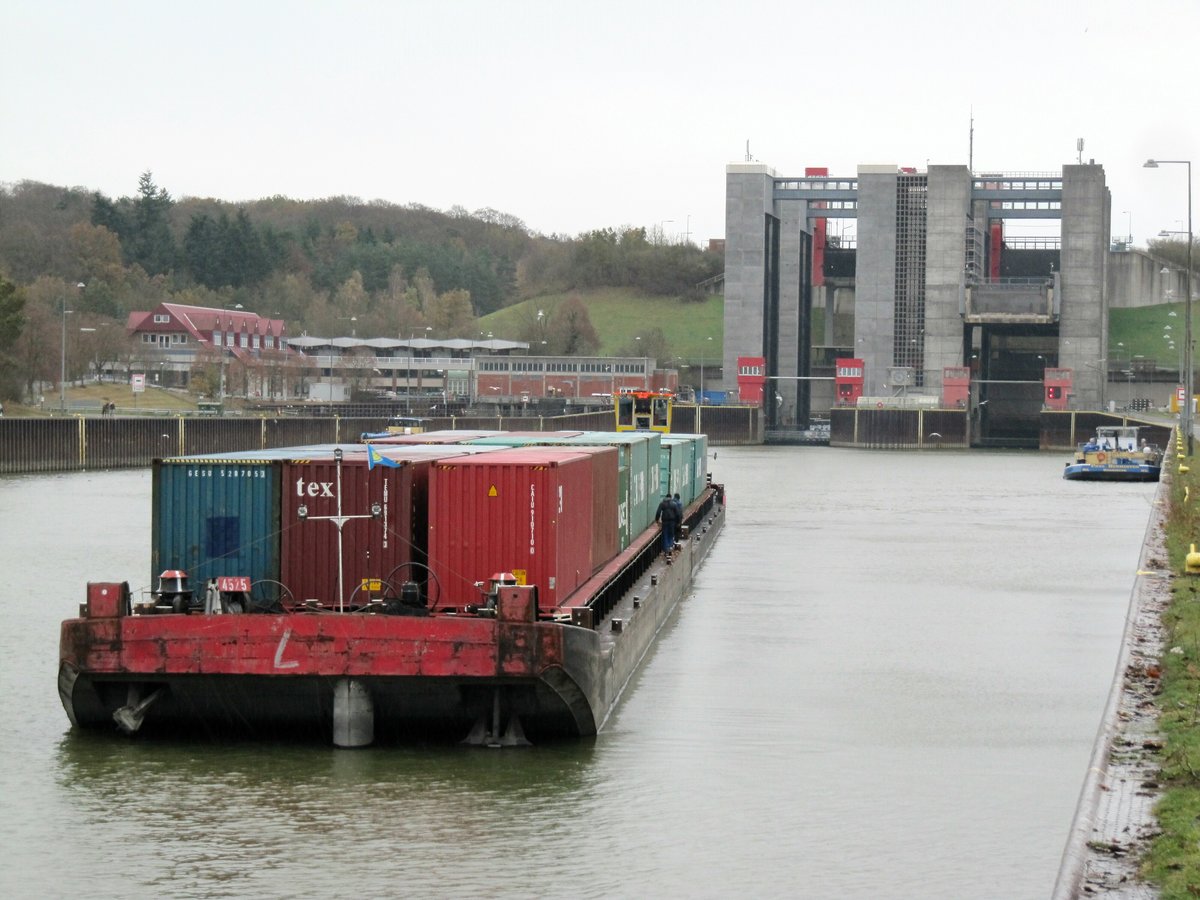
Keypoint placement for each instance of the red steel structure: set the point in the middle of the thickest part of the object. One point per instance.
(848, 381)
(956, 387)
(751, 379)
(1058, 384)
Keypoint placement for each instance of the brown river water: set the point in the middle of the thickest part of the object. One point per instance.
(886, 683)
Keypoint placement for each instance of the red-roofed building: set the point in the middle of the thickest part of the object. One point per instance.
(172, 338)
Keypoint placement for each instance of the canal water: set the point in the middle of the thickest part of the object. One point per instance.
(886, 683)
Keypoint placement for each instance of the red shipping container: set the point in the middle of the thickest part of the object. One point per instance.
(606, 525)
(372, 548)
(528, 511)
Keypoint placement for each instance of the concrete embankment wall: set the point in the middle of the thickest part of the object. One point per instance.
(1114, 818)
(949, 429)
(114, 442)
(1068, 429)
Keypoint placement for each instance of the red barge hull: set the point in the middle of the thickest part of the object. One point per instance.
(354, 677)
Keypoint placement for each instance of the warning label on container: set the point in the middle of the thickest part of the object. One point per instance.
(492, 492)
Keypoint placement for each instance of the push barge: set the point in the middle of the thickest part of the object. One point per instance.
(1114, 454)
(499, 590)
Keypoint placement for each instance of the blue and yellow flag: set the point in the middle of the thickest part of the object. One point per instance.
(375, 458)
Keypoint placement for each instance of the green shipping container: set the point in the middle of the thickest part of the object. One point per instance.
(699, 461)
(640, 453)
(678, 463)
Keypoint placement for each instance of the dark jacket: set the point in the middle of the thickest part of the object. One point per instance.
(667, 512)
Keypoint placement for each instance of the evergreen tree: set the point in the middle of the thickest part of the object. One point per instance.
(12, 320)
(202, 251)
(151, 244)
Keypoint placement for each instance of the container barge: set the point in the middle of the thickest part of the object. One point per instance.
(500, 590)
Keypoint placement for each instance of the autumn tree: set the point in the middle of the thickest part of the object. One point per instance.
(651, 343)
(99, 345)
(33, 352)
(570, 332)
(452, 314)
(1175, 251)
(351, 297)
(398, 307)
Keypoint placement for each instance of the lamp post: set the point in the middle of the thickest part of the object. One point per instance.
(62, 379)
(62, 375)
(1186, 417)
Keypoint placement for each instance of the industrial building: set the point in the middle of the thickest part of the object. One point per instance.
(937, 276)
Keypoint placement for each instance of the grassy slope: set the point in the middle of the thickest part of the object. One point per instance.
(1174, 858)
(1141, 332)
(120, 394)
(620, 315)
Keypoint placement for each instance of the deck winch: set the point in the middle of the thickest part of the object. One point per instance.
(173, 591)
(492, 596)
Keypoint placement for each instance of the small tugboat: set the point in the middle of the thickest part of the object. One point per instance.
(1114, 454)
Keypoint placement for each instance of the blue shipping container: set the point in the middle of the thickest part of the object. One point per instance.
(214, 518)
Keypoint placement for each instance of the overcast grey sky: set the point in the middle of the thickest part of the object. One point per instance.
(574, 116)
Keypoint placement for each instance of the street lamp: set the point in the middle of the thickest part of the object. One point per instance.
(62, 380)
(1185, 419)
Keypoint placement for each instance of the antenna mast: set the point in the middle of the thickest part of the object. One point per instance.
(971, 144)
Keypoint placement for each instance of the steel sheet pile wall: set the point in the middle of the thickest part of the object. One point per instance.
(214, 518)
(528, 511)
(39, 445)
(723, 424)
(56, 445)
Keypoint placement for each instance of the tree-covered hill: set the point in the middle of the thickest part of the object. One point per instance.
(327, 267)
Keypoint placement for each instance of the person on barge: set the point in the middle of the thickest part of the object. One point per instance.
(668, 516)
